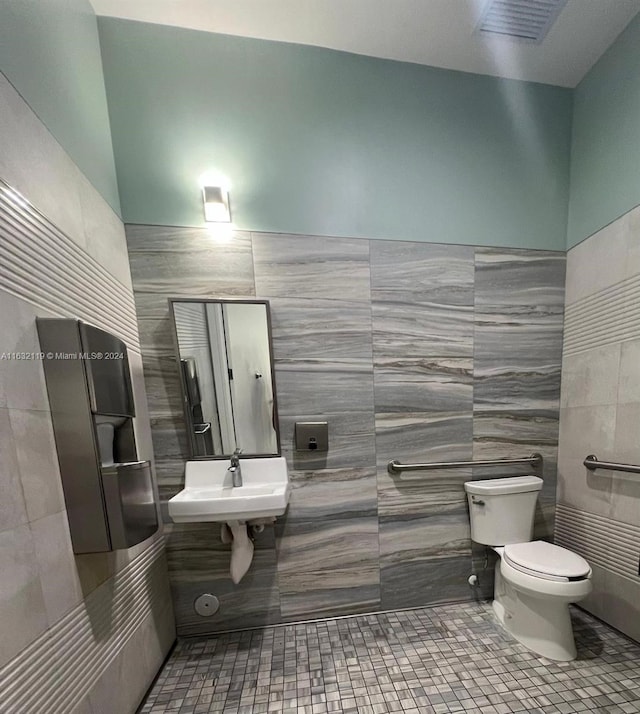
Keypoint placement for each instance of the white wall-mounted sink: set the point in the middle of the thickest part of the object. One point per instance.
(209, 493)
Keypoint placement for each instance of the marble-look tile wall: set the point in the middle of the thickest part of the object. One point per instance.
(415, 351)
(599, 512)
(99, 624)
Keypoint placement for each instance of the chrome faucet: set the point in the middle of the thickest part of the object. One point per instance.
(235, 469)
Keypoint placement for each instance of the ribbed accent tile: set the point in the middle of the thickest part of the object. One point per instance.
(604, 318)
(612, 545)
(191, 326)
(44, 266)
(56, 671)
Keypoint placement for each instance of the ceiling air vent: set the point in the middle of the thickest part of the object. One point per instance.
(524, 20)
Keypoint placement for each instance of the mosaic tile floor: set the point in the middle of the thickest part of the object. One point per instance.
(444, 659)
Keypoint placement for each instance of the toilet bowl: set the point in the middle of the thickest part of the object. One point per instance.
(535, 581)
(534, 584)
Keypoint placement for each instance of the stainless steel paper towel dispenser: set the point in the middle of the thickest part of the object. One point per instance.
(108, 491)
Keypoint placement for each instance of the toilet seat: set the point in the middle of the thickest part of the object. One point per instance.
(544, 560)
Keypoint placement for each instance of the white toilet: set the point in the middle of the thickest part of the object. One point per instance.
(535, 581)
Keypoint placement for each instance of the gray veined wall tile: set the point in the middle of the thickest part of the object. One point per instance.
(515, 434)
(169, 436)
(510, 432)
(378, 339)
(328, 568)
(332, 494)
(156, 336)
(414, 539)
(153, 305)
(430, 436)
(170, 477)
(416, 438)
(422, 300)
(423, 436)
(338, 592)
(186, 261)
(519, 306)
(351, 441)
(432, 580)
(500, 385)
(526, 335)
(417, 330)
(519, 277)
(423, 384)
(253, 602)
(194, 549)
(424, 559)
(295, 266)
(310, 546)
(324, 386)
(162, 381)
(199, 563)
(308, 328)
(429, 272)
(421, 494)
(518, 346)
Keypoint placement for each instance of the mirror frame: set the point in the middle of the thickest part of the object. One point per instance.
(183, 386)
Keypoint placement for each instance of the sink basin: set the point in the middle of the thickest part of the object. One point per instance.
(209, 493)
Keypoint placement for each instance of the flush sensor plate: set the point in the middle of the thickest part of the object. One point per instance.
(312, 436)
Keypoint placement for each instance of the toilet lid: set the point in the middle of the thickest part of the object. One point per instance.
(544, 559)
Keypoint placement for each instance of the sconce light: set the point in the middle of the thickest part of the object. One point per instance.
(216, 204)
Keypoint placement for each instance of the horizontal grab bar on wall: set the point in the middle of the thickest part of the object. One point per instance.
(395, 467)
(592, 463)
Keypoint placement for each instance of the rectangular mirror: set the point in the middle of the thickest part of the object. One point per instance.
(225, 360)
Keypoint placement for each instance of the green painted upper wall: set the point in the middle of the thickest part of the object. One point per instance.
(329, 143)
(50, 52)
(605, 155)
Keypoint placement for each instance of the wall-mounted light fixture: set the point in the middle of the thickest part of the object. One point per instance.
(217, 213)
(216, 204)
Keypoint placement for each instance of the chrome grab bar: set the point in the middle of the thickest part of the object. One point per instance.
(592, 463)
(395, 467)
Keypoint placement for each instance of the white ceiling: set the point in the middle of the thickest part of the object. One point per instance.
(439, 33)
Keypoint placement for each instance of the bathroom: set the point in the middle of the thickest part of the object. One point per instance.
(439, 229)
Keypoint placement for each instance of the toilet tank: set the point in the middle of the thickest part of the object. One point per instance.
(502, 510)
